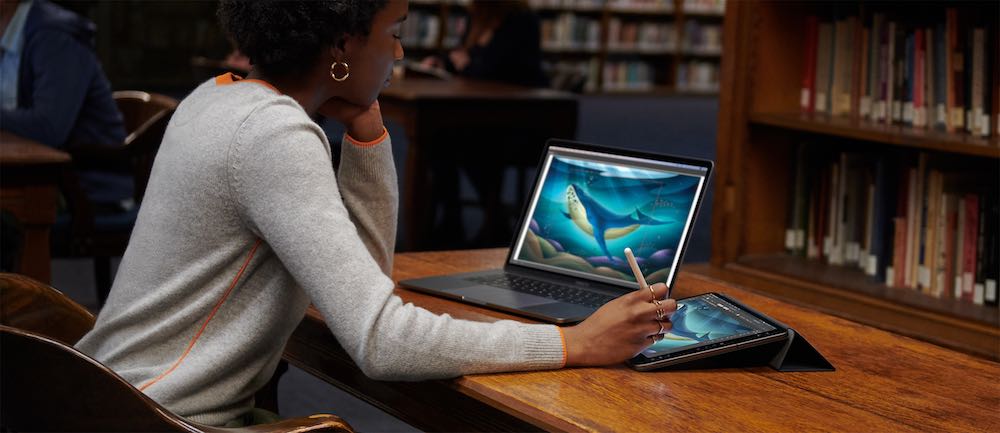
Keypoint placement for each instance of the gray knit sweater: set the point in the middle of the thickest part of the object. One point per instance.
(243, 225)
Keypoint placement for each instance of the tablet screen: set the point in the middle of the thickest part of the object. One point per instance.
(707, 319)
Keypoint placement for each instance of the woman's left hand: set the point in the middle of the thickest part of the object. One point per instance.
(363, 123)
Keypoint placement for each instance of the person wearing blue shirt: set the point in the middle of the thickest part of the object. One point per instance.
(54, 91)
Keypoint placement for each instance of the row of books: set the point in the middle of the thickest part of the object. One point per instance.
(569, 31)
(702, 38)
(567, 4)
(641, 36)
(568, 69)
(698, 76)
(642, 5)
(705, 6)
(908, 224)
(628, 75)
(939, 74)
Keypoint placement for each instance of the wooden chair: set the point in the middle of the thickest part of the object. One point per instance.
(90, 233)
(32, 306)
(47, 385)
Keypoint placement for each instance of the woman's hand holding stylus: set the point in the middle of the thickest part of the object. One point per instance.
(619, 329)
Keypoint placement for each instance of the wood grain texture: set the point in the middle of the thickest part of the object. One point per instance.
(883, 381)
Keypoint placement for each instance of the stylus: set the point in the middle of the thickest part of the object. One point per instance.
(635, 270)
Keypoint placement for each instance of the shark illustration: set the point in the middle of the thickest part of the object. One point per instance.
(600, 222)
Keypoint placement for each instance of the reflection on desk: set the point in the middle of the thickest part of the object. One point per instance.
(28, 191)
(883, 381)
(476, 118)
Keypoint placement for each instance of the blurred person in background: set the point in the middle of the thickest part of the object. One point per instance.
(54, 91)
(503, 43)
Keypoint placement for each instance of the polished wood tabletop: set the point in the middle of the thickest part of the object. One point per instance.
(883, 382)
(28, 176)
(16, 150)
(435, 113)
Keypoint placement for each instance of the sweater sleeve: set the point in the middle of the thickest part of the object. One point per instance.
(286, 192)
(367, 181)
(62, 68)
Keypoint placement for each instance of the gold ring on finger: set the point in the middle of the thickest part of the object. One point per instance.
(652, 293)
(661, 327)
(660, 315)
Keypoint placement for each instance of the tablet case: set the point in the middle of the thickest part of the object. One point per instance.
(794, 354)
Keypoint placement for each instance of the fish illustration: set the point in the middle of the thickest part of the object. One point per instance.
(600, 222)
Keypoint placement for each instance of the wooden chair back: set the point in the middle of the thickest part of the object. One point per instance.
(47, 385)
(30, 305)
(146, 116)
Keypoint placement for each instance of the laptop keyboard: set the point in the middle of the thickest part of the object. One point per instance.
(571, 295)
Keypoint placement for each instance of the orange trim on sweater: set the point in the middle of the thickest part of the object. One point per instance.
(354, 141)
(230, 78)
(565, 353)
(207, 319)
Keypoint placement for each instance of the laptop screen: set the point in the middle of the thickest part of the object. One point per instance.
(588, 206)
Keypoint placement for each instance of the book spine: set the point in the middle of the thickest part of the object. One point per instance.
(940, 78)
(992, 252)
(959, 259)
(824, 60)
(978, 293)
(969, 256)
(951, 42)
(918, 78)
(909, 70)
(912, 223)
(807, 99)
(899, 252)
(950, 245)
(975, 118)
(860, 70)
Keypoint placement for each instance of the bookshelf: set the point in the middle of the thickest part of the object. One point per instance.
(619, 46)
(763, 126)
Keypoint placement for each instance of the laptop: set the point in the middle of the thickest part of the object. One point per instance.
(588, 203)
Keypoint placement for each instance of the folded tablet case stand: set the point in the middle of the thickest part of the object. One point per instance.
(793, 354)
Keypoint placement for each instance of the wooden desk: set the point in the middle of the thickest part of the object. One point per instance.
(28, 175)
(427, 109)
(883, 382)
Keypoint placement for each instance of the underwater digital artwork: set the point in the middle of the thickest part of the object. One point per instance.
(588, 212)
(697, 320)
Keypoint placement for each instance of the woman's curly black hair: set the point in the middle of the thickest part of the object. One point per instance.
(284, 37)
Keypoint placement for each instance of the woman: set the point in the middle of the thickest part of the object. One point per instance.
(245, 223)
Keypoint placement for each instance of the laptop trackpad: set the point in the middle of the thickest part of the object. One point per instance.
(497, 296)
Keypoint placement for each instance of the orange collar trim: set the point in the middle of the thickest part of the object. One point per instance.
(230, 78)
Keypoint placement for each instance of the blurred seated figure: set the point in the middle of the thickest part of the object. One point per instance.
(503, 43)
(54, 91)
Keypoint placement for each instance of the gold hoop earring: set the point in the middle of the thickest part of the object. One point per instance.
(333, 72)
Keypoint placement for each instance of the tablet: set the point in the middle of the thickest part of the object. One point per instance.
(706, 325)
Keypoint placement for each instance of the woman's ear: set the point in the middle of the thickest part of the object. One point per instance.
(339, 48)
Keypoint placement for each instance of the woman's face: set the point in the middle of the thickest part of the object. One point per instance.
(371, 58)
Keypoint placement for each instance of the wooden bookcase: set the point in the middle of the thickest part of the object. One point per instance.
(759, 126)
(668, 64)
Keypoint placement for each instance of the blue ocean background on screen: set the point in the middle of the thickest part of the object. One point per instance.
(643, 209)
(697, 321)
